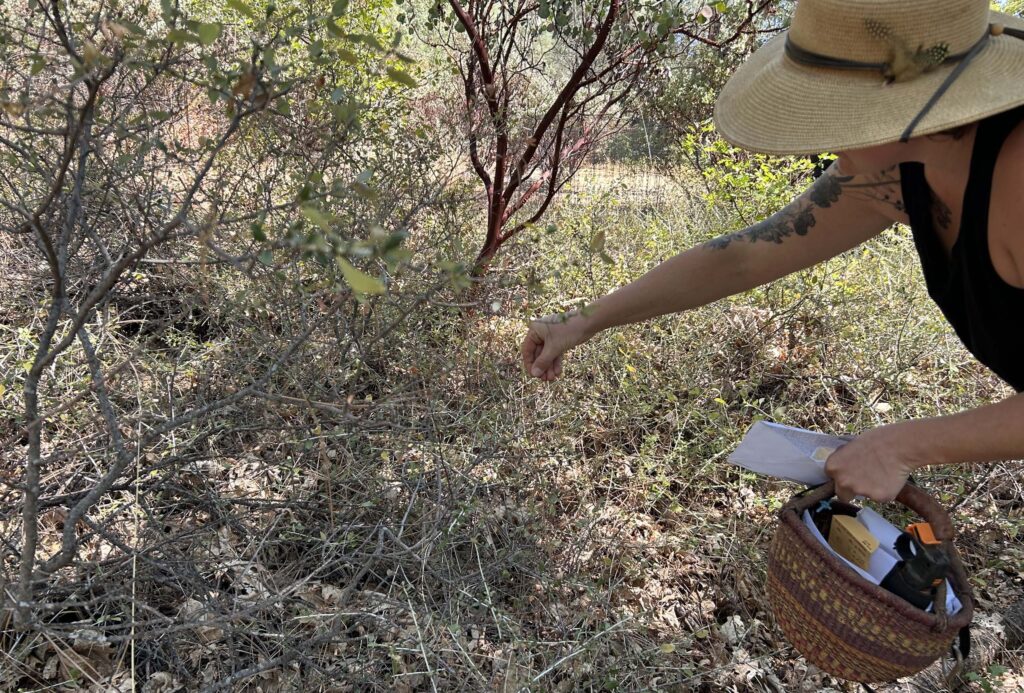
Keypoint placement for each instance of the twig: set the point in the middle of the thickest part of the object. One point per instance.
(580, 650)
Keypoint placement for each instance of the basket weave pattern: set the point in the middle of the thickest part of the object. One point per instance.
(839, 621)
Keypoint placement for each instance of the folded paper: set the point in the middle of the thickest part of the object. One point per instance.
(786, 452)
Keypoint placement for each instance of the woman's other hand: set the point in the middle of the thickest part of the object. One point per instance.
(877, 463)
(547, 341)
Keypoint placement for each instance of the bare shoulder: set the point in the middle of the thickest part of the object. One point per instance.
(1008, 181)
(1010, 167)
(1006, 231)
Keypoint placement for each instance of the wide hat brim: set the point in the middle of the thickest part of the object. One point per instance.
(774, 105)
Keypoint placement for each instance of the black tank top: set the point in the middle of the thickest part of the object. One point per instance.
(986, 312)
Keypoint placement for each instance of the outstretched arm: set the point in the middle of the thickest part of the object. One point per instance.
(836, 213)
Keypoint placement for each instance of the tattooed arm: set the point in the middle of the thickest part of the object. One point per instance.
(827, 207)
(836, 213)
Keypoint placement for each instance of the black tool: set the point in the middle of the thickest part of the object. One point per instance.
(922, 569)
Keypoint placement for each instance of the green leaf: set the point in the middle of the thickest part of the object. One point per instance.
(266, 257)
(38, 65)
(597, 242)
(401, 77)
(359, 281)
(240, 7)
(348, 56)
(208, 33)
(365, 191)
(339, 7)
(132, 27)
(334, 29)
(318, 217)
(397, 256)
(181, 36)
(270, 58)
(345, 112)
(366, 40)
(258, 233)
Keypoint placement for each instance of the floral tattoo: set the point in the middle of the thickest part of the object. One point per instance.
(798, 218)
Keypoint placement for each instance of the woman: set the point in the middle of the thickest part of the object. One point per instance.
(923, 100)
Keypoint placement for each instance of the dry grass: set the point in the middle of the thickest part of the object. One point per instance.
(407, 512)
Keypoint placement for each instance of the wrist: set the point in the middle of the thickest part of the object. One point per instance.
(590, 320)
(929, 440)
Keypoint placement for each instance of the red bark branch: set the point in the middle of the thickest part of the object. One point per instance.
(497, 200)
(474, 144)
(568, 91)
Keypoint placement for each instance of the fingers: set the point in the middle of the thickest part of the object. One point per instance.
(540, 357)
(544, 346)
(532, 345)
(554, 372)
(845, 494)
(848, 494)
(865, 472)
(545, 362)
(849, 489)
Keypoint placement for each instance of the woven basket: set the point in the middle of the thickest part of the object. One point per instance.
(844, 624)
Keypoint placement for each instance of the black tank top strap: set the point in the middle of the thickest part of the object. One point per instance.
(917, 200)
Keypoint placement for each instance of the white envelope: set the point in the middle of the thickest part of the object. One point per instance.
(786, 452)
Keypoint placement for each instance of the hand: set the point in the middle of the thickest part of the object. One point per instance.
(877, 463)
(547, 341)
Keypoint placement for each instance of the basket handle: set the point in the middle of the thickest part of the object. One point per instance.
(911, 496)
(927, 507)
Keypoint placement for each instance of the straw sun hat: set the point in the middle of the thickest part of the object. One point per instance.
(856, 73)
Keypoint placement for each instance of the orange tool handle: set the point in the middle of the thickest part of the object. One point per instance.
(922, 531)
